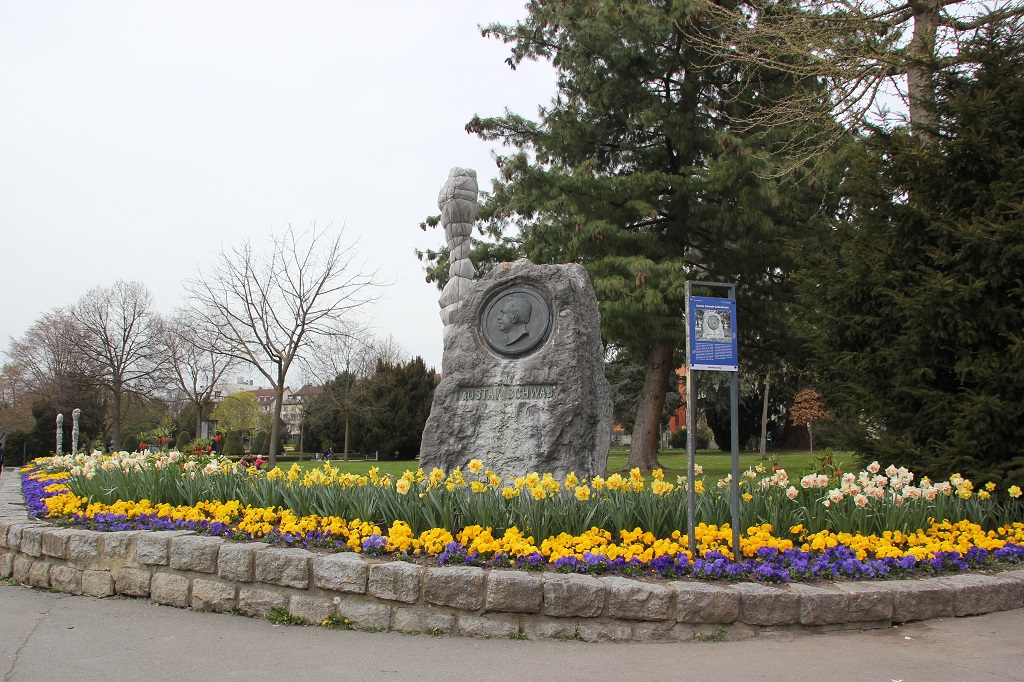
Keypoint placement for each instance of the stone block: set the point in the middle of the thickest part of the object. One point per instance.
(763, 605)
(213, 595)
(513, 591)
(66, 579)
(257, 603)
(154, 548)
(342, 572)
(6, 564)
(658, 633)
(426, 621)
(705, 603)
(236, 561)
(39, 574)
(283, 566)
(133, 582)
(395, 580)
(868, 602)
(118, 544)
(97, 583)
(14, 532)
(604, 632)
(364, 613)
(489, 625)
(920, 599)
(820, 605)
(549, 628)
(195, 553)
(5, 526)
(20, 567)
(84, 547)
(32, 540)
(573, 596)
(55, 542)
(975, 594)
(635, 600)
(1017, 574)
(314, 610)
(170, 590)
(460, 587)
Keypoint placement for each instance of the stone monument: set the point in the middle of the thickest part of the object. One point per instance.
(457, 202)
(75, 414)
(523, 385)
(60, 432)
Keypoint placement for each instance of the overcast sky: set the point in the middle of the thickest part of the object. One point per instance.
(139, 137)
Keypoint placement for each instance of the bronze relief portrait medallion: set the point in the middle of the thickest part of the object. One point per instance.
(515, 321)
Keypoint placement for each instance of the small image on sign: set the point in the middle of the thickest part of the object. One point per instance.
(714, 325)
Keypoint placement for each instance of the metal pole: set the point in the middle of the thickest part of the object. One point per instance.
(691, 442)
(734, 395)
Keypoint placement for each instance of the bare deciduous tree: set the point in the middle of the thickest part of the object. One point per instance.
(266, 306)
(121, 335)
(193, 362)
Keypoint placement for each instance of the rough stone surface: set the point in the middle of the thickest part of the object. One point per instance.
(283, 566)
(236, 561)
(39, 574)
(66, 579)
(84, 547)
(395, 580)
(461, 587)
(257, 603)
(133, 582)
(423, 620)
(976, 594)
(763, 605)
(14, 532)
(195, 553)
(55, 542)
(490, 625)
(867, 602)
(32, 540)
(343, 572)
(170, 590)
(652, 633)
(364, 613)
(513, 591)
(97, 583)
(635, 600)
(821, 606)
(154, 548)
(604, 632)
(213, 595)
(6, 564)
(314, 610)
(573, 595)
(919, 599)
(20, 568)
(549, 628)
(546, 410)
(117, 545)
(704, 603)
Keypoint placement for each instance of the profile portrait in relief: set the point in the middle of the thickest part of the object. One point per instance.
(514, 314)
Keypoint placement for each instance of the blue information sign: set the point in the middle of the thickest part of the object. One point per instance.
(713, 334)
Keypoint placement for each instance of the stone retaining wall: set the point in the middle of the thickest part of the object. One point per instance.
(179, 568)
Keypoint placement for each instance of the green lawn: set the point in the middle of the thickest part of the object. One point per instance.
(716, 464)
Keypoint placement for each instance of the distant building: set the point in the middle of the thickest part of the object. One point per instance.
(294, 403)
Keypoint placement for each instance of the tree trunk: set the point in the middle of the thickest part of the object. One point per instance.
(643, 450)
(764, 414)
(199, 420)
(115, 404)
(345, 453)
(810, 436)
(920, 76)
(278, 404)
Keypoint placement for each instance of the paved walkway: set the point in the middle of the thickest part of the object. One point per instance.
(47, 636)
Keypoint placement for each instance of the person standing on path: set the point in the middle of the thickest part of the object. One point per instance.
(3, 455)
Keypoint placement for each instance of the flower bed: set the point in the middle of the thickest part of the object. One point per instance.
(867, 525)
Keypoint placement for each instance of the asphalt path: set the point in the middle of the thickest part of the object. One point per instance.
(52, 636)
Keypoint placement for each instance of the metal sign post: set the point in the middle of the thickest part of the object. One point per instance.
(711, 344)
